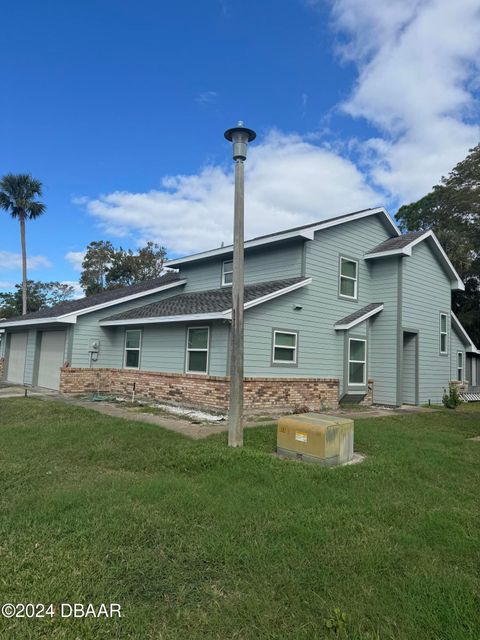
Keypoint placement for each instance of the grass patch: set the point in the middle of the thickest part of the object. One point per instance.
(196, 540)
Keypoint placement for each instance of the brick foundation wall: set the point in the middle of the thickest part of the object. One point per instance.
(207, 392)
(2, 367)
(368, 399)
(462, 386)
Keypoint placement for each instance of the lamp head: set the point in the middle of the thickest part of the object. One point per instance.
(240, 136)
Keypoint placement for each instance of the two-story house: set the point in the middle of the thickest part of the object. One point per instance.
(346, 308)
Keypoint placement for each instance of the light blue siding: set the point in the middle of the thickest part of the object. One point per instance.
(383, 331)
(283, 261)
(163, 347)
(426, 293)
(88, 329)
(321, 348)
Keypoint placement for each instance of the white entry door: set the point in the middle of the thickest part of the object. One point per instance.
(16, 357)
(52, 347)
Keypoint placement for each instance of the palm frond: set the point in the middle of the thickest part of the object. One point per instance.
(34, 210)
(18, 193)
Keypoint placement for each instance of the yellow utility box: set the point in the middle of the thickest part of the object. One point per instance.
(314, 437)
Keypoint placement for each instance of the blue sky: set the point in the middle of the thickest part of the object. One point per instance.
(119, 107)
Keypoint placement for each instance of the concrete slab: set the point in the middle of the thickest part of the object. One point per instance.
(18, 391)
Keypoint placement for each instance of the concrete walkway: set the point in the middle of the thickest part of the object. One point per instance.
(180, 425)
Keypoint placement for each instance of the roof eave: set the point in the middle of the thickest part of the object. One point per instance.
(365, 316)
(26, 323)
(191, 317)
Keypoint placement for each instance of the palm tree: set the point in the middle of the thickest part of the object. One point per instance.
(18, 195)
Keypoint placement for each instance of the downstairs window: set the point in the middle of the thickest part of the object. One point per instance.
(357, 362)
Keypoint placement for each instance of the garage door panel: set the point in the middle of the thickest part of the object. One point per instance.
(16, 357)
(52, 347)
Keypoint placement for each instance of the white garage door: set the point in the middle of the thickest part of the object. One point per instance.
(16, 357)
(51, 359)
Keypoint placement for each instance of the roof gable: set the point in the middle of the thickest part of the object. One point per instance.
(403, 245)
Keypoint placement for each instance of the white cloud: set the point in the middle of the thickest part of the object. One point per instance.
(10, 261)
(206, 97)
(289, 181)
(417, 62)
(75, 258)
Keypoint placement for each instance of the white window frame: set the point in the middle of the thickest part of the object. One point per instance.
(443, 333)
(462, 368)
(139, 348)
(355, 280)
(189, 350)
(226, 284)
(281, 346)
(364, 362)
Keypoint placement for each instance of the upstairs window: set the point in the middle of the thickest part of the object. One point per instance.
(460, 366)
(285, 347)
(357, 361)
(133, 344)
(198, 339)
(443, 333)
(227, 273)
(348, 286)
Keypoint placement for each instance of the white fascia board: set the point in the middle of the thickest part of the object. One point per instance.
(353, 323)
(217, 315)
(220, 315)
(276, 294)
(111, 303)
(27, 323)
(306, 233)
(460, 327)
(404, 251)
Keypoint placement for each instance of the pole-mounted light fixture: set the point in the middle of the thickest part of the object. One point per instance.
(240, 136)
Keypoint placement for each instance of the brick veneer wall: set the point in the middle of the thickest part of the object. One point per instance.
(368, 399)
(208, 392)
(2, 367)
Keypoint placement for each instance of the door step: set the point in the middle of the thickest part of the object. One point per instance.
(352, 398)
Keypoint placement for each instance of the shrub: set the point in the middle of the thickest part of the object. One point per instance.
(452, 399)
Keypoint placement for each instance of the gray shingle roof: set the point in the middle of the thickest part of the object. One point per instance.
(199, 302)
(72, 306)
(398, 243)
(356, 315)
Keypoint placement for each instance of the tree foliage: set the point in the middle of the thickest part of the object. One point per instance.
(95, 266)
(18, 196)
(40, 295)
(105, 267)
(452, 210)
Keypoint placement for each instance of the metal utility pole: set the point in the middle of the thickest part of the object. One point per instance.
(240, 136)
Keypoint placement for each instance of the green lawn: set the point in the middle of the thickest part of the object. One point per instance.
(198, 541)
